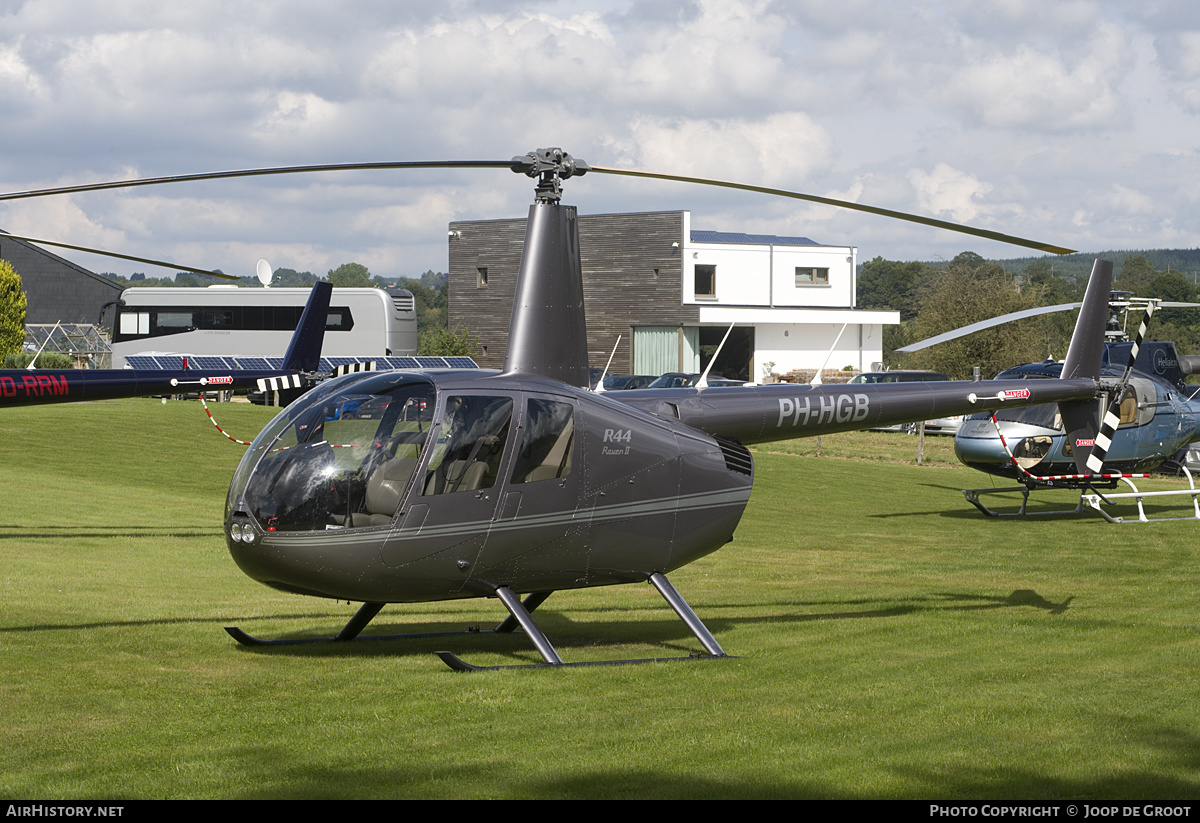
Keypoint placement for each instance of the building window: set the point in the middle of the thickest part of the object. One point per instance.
(706, 281)
(811, 277)
(482, 282)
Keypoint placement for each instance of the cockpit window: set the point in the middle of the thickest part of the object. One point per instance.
(545, 451)
(1129, 406)
(338, 459)
(470, 443)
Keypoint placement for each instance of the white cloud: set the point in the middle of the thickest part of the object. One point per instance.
(1023, 87)
(777, 151)
(1018, 113)
(948, 191)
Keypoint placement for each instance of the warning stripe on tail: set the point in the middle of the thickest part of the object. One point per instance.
(288, 381)
(351, 368)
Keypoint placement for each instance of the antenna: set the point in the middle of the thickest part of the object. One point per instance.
(702, 383)
(816, 381)
(603, 374)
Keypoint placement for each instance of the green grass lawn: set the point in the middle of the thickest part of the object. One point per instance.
(890, 642)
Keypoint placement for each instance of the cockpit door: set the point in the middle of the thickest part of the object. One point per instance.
(540, 534)
(452, 502)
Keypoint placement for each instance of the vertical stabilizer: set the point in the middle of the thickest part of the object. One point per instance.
(304, 352)
(1081, 418)
(1087, 343)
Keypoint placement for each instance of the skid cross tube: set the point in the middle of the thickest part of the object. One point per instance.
(520, 616)
(676, 602)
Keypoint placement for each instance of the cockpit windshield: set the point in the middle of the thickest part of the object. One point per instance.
(340, 457)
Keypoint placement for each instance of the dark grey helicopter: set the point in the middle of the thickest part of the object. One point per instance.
(420, 486)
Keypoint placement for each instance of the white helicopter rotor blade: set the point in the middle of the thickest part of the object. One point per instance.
(986, 324)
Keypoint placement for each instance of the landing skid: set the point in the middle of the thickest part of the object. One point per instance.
(519, 615)
(973, 496)
(1095, 500)
(459, 665)
(350, 631)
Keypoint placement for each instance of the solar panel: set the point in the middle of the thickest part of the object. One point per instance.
(461, 363)
(252, 362)
(141, 361)
(212, 362)
(174, 362)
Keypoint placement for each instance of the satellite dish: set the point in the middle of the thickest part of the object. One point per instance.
(264, 273)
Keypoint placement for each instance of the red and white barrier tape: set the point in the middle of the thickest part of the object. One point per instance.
(214, 422)
(1040, 478)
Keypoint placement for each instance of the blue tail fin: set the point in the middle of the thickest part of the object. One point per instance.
(304, 352)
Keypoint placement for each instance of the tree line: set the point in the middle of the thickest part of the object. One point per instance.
(936, 298)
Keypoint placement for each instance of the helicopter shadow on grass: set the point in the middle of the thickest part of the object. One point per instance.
(16, 531)
(665, 634)
(934, 601)
(151, 621)
(966, 511)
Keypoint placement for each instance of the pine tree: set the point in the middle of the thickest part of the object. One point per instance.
(12, 310)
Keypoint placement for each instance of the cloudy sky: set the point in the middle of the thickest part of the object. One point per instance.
(1074, 122)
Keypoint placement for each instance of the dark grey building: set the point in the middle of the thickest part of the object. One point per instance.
(57, 290)
(630, 270)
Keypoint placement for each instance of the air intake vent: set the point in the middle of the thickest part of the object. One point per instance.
(403, 302)
(737, 456)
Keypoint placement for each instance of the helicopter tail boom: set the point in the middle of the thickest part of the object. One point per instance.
(761, 414)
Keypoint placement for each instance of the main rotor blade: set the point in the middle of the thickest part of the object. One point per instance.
(264, 172)
(845, 204)
(509, 164)
(147, 260)
(986, 324)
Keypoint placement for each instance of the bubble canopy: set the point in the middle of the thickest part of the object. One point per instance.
(341, 456)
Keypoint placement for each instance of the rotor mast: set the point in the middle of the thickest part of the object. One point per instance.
(548, 332)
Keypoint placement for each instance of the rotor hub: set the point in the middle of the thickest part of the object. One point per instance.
(551, 167)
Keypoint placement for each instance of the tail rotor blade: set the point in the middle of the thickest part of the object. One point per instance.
(1112, 417)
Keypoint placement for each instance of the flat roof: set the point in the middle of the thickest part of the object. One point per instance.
(750, 239)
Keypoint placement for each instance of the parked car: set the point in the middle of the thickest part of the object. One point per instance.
(945, 425)
(899, 376)
(675, 380)
(942, 425)
(620, 382)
